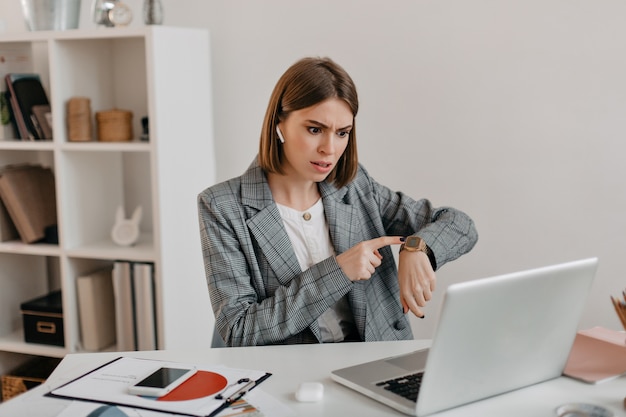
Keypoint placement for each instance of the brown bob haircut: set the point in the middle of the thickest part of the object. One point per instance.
(306, 83)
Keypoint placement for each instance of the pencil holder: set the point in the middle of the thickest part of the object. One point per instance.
(114, 125)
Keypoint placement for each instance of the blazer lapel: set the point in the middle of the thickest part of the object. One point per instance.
(341, 216)
(266, 225)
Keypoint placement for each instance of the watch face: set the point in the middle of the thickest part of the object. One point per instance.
(120, 14)
(413, 242)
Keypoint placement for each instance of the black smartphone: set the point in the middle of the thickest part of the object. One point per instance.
(161, 381)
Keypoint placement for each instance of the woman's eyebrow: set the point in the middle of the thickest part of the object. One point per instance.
(323, 126)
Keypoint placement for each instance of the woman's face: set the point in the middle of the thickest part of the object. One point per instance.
(315, 138)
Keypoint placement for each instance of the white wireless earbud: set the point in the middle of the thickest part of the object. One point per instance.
(280, 135)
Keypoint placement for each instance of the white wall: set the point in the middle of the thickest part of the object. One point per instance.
(514, 111)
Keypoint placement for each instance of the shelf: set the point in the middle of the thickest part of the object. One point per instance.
(134, 146)
(14, 342)
(143, 250)
(18, 247)
(98, 33)
(26, 145)
(130, 69)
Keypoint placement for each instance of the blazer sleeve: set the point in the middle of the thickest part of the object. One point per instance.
(448, 232)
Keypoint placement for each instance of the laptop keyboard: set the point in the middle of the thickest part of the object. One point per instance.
(407, 386)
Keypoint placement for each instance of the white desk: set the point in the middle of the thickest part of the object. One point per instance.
(291, 365)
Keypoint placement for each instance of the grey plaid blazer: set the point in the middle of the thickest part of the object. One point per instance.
(259, 293)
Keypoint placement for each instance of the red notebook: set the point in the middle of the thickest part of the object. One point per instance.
(598, 354)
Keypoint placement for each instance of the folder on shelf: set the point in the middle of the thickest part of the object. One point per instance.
(598, 354)
(26, 91)
(143, 279)
(28, 192)
(96, 308)
(123, 290)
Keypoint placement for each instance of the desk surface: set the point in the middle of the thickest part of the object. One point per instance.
(292, 365)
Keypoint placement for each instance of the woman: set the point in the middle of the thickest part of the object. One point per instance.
(297, 249)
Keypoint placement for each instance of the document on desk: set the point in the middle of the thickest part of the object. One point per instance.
(257, 404)
(198, 396)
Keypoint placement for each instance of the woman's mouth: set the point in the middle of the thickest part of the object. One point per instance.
(322, 166)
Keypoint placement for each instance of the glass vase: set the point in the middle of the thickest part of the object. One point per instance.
(152, 12)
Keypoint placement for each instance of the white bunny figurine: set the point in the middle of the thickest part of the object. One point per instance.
(126, 231)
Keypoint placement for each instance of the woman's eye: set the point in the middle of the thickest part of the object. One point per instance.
(343, 134)
(314, 130)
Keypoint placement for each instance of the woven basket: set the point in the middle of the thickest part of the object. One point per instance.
(114, 125)
(13, 386)
(27, 376)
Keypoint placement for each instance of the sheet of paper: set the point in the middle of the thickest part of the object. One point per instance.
(109, 384)
(255, 401)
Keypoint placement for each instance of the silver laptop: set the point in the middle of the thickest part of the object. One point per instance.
(494, 335)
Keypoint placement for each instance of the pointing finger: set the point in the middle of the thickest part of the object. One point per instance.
(382, 241)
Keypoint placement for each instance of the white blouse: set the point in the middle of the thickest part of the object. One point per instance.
(310, 237)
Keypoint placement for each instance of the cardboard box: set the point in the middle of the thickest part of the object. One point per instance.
(43, 320)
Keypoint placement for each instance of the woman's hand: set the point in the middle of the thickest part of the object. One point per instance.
(417, 281)
(360, 261)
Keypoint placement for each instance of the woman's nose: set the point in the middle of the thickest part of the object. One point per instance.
(327, 145)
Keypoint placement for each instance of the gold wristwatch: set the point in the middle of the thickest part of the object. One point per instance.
(414, 244)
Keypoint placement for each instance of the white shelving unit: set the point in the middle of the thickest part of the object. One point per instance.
(160, 72)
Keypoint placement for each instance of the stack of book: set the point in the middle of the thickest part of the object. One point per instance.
(28, 106)
(28, 204)
(117, 306)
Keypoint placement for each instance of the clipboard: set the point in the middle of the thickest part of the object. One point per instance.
(107, 384)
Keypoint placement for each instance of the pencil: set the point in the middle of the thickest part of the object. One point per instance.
(620, 309)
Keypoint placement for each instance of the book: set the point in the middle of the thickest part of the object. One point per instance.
(42, 120)
(7, 227)
(26, 91)
(28, 192)
(143, 278)
(17, 118)
(96, 308)
(123, 290)
(598, 354)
